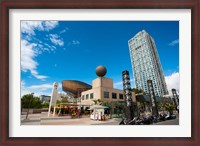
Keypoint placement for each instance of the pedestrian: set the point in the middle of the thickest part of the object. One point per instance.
(79, 113)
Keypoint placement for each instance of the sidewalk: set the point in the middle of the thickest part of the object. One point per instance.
(79, 121)
(43, 119)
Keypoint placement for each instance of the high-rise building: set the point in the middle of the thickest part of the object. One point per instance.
(146, 63)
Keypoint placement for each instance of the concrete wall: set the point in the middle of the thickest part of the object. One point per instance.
(102, 82)
(100, 85)
(33, 111)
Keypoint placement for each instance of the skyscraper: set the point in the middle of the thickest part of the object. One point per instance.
(146, 63)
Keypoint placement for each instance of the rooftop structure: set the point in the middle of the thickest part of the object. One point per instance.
(102, 88)
(74, 86)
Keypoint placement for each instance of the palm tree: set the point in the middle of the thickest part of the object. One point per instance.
(97, 101)
(169, 107)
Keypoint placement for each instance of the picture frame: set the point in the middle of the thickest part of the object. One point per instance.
(99, 4)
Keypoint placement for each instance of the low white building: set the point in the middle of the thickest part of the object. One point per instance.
(45, 98)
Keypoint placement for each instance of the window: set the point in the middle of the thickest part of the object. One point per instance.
(121, 96)
(82, 97)
(91, 95)
(114, 95)
(106, 94)
(87, 95)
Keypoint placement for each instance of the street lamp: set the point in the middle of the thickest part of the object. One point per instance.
(29, 105)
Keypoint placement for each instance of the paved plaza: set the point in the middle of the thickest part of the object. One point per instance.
(42, 119)
(36, 119)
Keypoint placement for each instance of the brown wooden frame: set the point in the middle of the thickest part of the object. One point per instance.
(194, 5)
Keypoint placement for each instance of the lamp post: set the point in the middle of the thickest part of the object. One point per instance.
(29, 105)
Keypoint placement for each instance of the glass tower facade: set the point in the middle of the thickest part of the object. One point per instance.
(146, 63)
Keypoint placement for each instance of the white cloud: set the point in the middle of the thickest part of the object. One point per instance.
(35, 74)
(29, 27)
(43, 89)
(173, 81)
(48, 25)
(55, 39)
(27, 55)
(119, 85)
(174, 42)
(48, 47)
(75, 42)
(27, 59)
(40, 89)
(31, 50)
(28, 50)
(43, 47)
(64, 30)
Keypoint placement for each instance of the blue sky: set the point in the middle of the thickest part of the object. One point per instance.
(52, 51)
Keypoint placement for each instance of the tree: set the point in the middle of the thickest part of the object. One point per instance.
(36, 103)
(28, 100)
(115, 107)
(97, 101)
(63, 100)
(45, 105)
(169, 107)
(25, 100)
(106, 103)
(138, 91)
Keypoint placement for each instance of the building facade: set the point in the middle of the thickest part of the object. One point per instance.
(146, 63)
(102, 88)
(45, 98)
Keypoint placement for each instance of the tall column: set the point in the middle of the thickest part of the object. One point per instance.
(153, 98)
(127, 94)
(176, 100)
(54, 95)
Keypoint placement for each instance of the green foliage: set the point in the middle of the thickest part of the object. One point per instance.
(25, 100)
(45, 105)
(118, 108)
(169, 107)
(139, 105)
(106, 103)
(137, 91)
(28, 101)
(36, 103)
(115, 107)
(97, 101)
(63, 100)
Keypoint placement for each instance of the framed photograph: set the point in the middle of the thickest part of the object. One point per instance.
(46, 46)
